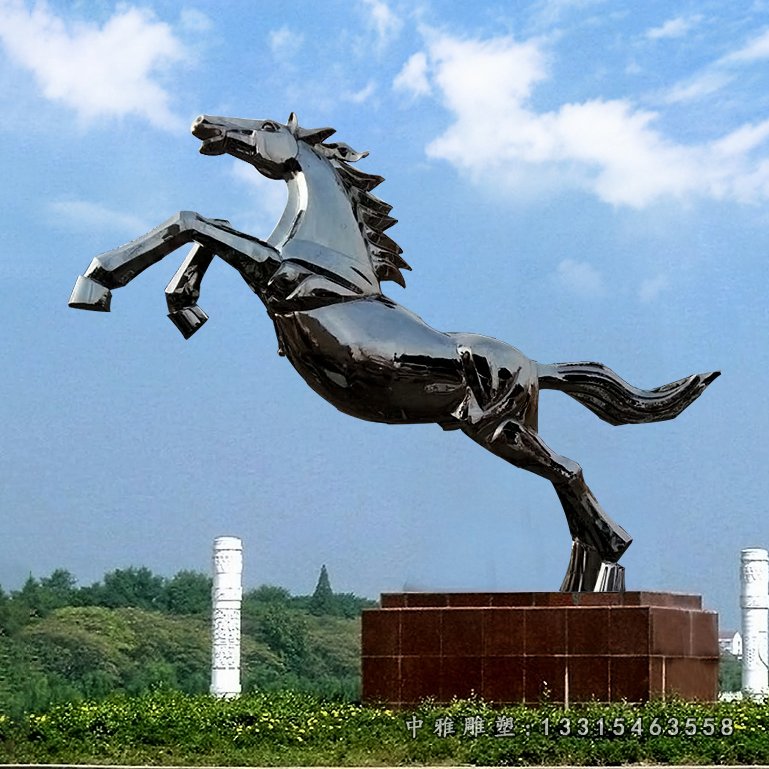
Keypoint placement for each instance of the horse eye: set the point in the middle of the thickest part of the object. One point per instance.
(271, 127)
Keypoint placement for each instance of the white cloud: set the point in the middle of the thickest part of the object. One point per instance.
(651, 288)
(284, 42)
(719, 73)
(381, 19)
(362, 95)
(194, 20)
(580, 277)
(548, 13)
(672, 28)
(754, 50)
(611, 148)
(701, 85)
(742, 140)
(413, 76)
(107, 70)
(86, 215)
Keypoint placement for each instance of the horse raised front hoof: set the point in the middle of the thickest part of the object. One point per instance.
(188, 319)
(90, 295)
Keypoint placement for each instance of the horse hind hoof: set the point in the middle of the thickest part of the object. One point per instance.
(611, 578)
(588, 572)
(188, 319)
(90, 295)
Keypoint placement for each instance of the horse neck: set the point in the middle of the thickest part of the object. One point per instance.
(318, 209)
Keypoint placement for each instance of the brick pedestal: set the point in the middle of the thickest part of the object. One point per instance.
(515, 647)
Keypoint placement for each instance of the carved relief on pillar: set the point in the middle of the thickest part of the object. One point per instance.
(226, 636)
(227, 594)
(228, 562)
(755, 571)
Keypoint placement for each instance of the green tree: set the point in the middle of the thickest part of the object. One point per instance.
(34, 599)
(139, 588)
(322, 601)
(188, 592)
(285, 632)
(13, 615)
(729, 673)
(350, 605)
(59, 588)
(269, 595)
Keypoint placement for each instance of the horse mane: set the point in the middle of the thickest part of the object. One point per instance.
(371, 213)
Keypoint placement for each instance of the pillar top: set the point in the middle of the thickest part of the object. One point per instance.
(228, 543)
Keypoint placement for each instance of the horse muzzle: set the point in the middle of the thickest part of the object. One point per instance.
(212, 135)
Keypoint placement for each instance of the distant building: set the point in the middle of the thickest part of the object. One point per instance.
(731, 641)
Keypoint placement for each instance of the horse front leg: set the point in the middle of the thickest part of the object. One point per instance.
(252, 257)
(183, 291)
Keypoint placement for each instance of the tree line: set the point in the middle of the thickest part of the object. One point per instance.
(135, 630)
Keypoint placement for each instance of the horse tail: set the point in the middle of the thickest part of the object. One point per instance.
(614, 400)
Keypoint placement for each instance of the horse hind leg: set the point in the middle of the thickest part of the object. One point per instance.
(598, 542)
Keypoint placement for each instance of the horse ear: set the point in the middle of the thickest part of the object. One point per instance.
(314, 135)
(293, 123)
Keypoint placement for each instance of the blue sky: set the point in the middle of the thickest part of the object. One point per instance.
(585, 180)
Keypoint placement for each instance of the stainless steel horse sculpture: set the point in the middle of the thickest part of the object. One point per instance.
(319, 276)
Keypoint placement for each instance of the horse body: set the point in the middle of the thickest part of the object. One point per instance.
(374, 360)
(319, 275)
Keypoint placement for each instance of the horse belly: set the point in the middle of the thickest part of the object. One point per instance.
(375, 360)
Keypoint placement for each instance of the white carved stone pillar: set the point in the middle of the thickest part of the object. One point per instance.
(227, 594)
(754, 601)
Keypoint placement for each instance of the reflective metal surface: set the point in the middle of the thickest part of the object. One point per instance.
(319, 275)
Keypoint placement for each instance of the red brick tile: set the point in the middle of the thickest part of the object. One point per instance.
(544, 678)
(503, 679)
(461, 677)
(421, 631)
(462, 632)
(657, 676)
(380, 680)
(427, 600)
(503, 631)
(588, 678)
(380, 632)
(704, 641)
(587, 630)
(598, 599)
(545, 631)
(629, 679)
(512, 599)
(420, 678)
(667, 600)
(554, 599)
(670, 632)
(469, 599)
(392, 600)
(694, 679)
(629, 630)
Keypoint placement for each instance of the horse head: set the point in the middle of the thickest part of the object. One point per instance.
(350, 221)
(269, 146)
